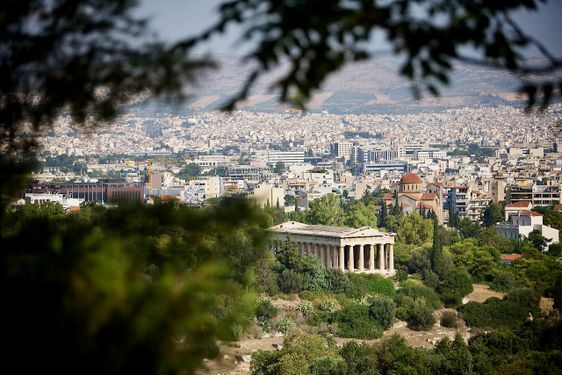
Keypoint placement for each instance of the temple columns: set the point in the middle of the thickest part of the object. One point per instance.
(350, 260)
(381, 257)
(361, 258)
(341, 258)
(372, 257)
(391, 257)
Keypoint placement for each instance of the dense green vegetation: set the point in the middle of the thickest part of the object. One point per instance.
(436, 268)
(138, 289)
(167, 255)
(533, 348)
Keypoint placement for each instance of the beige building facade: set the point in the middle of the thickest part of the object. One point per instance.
(364, 250)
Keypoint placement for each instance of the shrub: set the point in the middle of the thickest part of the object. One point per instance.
(362, 284)
(314, 274)
(354, 322)
(420, 316)
(360, 359)
(414, 291)
(327, 366)
(305, 307)
(455, 286)
(328, 305)
(431, 279)
(265, 324)
(266, 278)
(338, 282)
(284, 324)
(449, 319)
(494, 313)
(401, 276)
(504, 281)
(382, 310)
(265, 309)
(524, 297)
(290, 282)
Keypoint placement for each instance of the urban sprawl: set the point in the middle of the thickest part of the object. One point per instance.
(456, 161)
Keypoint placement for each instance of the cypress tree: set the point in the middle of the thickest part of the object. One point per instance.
(452, 217)
(437, 250)
(396, 206)
(382, 215)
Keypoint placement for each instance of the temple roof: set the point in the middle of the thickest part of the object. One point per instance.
(294, 227)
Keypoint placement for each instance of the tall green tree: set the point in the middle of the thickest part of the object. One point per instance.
(437, 250)
(360, 215)
(396, 205)
(382, 215)
(326, 210)
(493, 214)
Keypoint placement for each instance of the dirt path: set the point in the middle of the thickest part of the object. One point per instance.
(481, 293)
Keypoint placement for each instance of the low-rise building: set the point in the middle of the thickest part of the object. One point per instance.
(524, 222)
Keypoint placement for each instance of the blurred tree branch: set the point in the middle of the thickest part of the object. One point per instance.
(318, 37)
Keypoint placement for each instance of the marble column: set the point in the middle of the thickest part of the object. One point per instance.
(342, 258)
(372, 257)
(323, 260)
(381, 257)
(350, 260)
(330, 256)
(391, 257)
(361, 258)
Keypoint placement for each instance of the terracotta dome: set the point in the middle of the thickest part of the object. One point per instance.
(410, 178)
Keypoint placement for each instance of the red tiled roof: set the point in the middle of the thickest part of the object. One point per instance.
(428, 196)
(558, 207)
(411, 178)
(511, 256)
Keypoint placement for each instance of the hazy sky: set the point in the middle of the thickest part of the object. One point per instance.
(174, 19)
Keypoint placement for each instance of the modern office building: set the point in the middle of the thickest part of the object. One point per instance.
(105, 191)
(285, 157)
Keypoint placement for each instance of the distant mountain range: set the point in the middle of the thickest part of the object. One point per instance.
(366, 87)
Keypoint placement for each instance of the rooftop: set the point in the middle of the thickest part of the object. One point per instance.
(411, 178)
(295, 227)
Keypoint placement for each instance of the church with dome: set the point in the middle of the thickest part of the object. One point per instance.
(413, 196)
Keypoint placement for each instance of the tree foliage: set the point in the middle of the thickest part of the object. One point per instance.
(86, 57)
(317, 41)
(382, 309)
(126, 290)
(326, 210)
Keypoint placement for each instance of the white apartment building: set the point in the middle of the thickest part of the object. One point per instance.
(267, 195)
(430, 153)
(342, 149)
(524, 222)
(65, 202)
